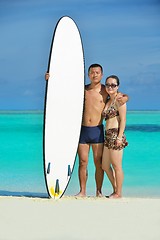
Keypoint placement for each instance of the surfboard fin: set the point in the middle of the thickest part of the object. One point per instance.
(57, 187)
(48, 168)
(69, 171)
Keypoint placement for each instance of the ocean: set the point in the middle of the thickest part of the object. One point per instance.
(21, 156)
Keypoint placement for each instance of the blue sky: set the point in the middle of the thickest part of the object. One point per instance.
(122, 35)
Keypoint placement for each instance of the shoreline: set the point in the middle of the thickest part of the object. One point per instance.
(88, 218)
(44, 195)
(134, 192)
(41, 111)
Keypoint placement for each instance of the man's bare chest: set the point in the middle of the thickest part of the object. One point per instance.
(93, 97)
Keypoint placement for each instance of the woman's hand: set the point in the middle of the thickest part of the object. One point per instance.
(118, 141)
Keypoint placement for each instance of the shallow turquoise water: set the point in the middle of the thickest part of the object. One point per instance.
(21, 156)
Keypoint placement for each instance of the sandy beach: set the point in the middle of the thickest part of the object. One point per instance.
(23, 218)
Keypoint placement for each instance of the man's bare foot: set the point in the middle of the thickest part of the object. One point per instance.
(80, 194)
(99, 194)
(114, 196)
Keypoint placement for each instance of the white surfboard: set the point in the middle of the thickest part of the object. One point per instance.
(63, 106)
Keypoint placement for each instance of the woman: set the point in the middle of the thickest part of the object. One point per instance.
(115, 116)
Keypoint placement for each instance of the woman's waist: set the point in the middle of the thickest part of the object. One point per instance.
(112, 124)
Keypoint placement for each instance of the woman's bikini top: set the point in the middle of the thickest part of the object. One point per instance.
(111, 112)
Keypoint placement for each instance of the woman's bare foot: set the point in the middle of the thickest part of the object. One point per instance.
(114, 196)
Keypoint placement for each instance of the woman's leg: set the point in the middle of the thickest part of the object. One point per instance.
(116, 161)
(106, 166)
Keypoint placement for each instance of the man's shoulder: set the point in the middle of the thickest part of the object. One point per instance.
(88, 85)
(103, 88)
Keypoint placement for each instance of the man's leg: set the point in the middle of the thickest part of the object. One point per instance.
(99, 173)
(83, 151)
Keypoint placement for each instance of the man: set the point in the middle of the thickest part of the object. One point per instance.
(92, 133)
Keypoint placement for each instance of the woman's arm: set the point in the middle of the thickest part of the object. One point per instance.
(122, 115)
(122, 123)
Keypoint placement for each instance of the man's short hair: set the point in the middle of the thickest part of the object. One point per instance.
(94, 66)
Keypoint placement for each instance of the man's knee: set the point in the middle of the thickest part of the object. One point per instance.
(98, 162)
(83, 162)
